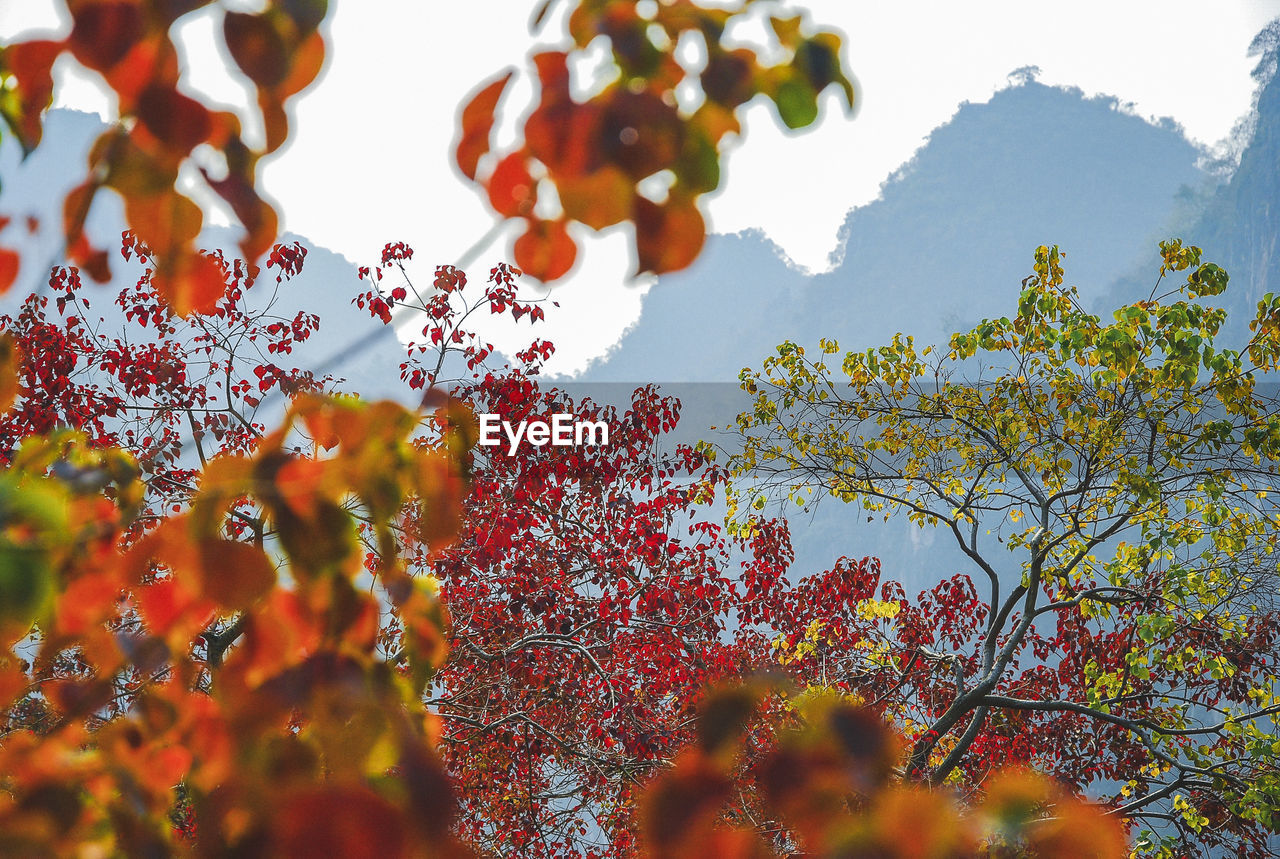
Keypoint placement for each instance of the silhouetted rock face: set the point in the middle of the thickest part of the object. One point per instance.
(946, 244)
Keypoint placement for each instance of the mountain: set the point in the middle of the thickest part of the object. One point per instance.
(947, 242)
(1238, 226)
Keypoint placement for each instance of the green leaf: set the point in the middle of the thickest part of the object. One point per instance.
(797, 103)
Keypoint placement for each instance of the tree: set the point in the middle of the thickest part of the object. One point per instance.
(186, 696)
(1129, 468)
(158, 385)
(590, 596)
(162, 684)
(307, 738)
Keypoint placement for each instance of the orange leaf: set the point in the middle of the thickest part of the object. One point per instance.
(191, 283)
(476, 123)
(94, 262)
(257, 48)
(441, 491)
(335, 820)
(545, 251)
(151, 61)
(75, 208)
(274, 119)
(13, 682)
(282, 634)
(319, 423)
(234, 575)
(1077, 828)
(166, 222)
(32, 64)
(682, 805)
(165, 767)
(166, 602)
(260, 232)
(257, 216)
(300, 483)
(133, 172)
(600, 199)
(561, 133)
(10, 369)
(512, 191)
(668, 236)
(308, 59)
(9, 263)
(87, 601)
(918, 823)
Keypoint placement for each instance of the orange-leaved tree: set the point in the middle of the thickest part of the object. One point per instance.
(307, 738)
(832, 784)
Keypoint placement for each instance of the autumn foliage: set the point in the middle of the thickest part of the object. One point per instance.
(595, 154)
(161, 130)
(244, 614)
(119, 732)
(584, 629)
(1109, 485)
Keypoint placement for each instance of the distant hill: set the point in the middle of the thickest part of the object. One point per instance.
(1238, 226)
(947, 242)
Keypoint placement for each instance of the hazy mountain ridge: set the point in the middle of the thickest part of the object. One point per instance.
(946, 243)
(1238, 226)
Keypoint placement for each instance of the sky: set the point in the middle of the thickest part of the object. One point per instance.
(371, 157)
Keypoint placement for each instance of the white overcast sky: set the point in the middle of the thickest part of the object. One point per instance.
(371, 160)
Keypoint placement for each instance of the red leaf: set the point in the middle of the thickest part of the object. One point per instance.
(9, 263)
(179, 122)
(545, 250)
(104, 32)
(476, 123)
(512, 191)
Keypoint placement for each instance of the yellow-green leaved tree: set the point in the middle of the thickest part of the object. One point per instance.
(1113, 485)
